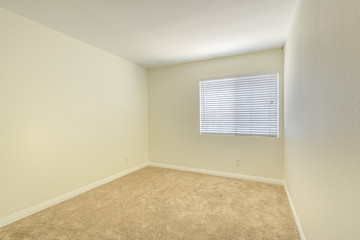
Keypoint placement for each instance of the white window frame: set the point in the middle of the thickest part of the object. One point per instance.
(232, 77)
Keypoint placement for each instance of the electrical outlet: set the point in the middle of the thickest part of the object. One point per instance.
(237, 162)
(126, 159)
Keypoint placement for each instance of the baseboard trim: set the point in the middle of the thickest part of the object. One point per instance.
(297, 221)
(29, 211)
(218, 173)
(37, 208)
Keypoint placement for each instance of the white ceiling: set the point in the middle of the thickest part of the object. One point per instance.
(160, 32)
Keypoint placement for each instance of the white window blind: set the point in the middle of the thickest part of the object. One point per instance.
(240, 105)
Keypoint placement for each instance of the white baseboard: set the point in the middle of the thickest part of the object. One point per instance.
(218, 173)
(298, 225)
(27, 212)
(239, 176)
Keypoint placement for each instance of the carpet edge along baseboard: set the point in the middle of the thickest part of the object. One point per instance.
(49, 203)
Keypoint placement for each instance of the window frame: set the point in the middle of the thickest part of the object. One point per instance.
(224, 77)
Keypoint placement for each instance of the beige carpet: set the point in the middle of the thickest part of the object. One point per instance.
(156, 203)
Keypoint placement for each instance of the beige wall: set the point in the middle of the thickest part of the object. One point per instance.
(69, 114)
(174, 133)
(322, 118)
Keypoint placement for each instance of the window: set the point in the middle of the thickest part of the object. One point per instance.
(240, 105)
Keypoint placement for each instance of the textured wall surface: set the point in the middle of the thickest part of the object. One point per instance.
(322, 118)
(69, 114)
(174, 119)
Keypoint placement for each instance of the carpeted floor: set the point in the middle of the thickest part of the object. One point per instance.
(156, 203)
